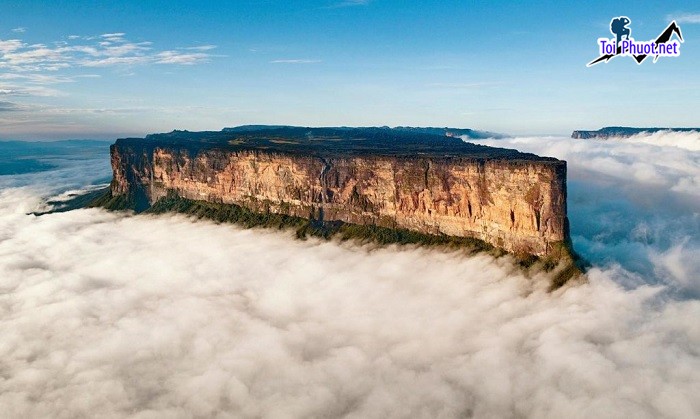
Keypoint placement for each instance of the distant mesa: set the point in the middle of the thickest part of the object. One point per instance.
(624, 132)
(446, 131)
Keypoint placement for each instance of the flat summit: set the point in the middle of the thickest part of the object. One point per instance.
(401, 141)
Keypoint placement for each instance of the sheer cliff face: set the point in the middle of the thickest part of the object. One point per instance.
(517, 205)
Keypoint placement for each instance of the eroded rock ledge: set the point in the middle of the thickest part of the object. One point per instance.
(409, 180)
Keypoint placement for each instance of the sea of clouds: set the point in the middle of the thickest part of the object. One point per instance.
(112, 315)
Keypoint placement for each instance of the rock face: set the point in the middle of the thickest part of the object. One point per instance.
(427, 183)
(624, 132)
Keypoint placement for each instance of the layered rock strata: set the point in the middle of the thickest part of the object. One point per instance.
(426, 183)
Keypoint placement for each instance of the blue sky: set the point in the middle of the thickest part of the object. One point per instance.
(85, 69)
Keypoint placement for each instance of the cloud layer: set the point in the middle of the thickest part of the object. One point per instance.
(110, 315)
(633, 202)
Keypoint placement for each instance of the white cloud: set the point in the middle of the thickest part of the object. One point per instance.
(685, 18)
(28, 65)
(124, 49)
(177, 57)
(686, 140)
(10, 45)
(114, 61)
(36, 55)
(19, 30)
(113, 37)
(7, 89)
(38, 78)
(106, 309)
(202, 48)
(111, 49)
(35, 84)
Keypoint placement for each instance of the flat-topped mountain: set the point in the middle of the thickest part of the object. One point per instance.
(402, 179)
(624, 132)
(446, 131)
(331, 141)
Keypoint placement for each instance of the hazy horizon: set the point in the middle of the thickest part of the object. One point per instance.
(107, 137)
(143, 67)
